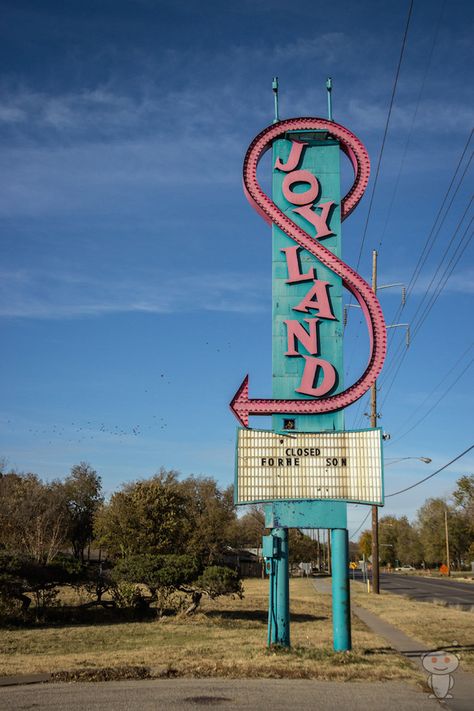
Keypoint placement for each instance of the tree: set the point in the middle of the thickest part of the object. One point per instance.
(432, 532)
(460, 536)
(431, 521)
(33, 516)
(399, 541)
(365, 543)
(463, 497)
(211, 513)
(148, 516)
(408, 549)
(215, 581)
(247, 531)
(21, 576)
(82, 489)
(301, 549)
(166, 575)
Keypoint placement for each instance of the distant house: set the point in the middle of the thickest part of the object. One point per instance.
(246, 561)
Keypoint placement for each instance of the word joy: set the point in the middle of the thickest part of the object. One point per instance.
(317, 299)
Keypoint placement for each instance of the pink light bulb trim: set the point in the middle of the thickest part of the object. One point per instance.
(357, 154)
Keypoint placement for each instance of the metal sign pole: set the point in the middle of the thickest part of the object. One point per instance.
(281, 592)
(341, 602)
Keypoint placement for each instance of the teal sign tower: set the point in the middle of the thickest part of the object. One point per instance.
(307, 299)
(308, 394)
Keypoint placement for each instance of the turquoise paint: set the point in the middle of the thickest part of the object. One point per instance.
(306, 514)
(341, 603)
(279, 612)
(322, 158)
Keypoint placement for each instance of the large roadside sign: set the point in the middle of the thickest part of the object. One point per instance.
(307, 467)
(340, 466)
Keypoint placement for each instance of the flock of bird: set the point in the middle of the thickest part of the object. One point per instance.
(78, 431)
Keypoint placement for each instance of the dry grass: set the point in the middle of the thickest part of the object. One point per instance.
(433, 624)
(227, 638)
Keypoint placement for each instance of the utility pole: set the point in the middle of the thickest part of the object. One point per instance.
(373, 419)
(448, 561)
(373, 423)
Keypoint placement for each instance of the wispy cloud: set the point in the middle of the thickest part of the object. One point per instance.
(461, 281)
(58, 295)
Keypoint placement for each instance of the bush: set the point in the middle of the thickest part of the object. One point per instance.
(219, 580)
(126, 595)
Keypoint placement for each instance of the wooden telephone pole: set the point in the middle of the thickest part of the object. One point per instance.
(373, 423)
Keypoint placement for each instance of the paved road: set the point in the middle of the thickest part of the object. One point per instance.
(427, 589)
(241, 694)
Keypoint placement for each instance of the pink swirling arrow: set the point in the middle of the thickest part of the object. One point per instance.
(242, 405)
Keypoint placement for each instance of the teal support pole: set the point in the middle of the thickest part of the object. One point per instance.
(280, 615)
(270, 566)
(341, 601)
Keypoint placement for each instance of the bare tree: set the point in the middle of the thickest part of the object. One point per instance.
(33, 516)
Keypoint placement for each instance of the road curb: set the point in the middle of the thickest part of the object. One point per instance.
(23, 679)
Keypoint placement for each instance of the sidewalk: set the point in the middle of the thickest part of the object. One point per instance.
(463, 690)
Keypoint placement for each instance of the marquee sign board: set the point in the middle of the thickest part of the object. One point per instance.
(338, 466)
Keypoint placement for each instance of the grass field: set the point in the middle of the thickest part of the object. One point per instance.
(434, 625)
(228, 638)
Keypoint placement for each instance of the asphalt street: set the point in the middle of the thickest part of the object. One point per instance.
(427, 589)
(242, 694)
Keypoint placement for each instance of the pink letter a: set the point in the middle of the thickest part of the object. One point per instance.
(317, 298)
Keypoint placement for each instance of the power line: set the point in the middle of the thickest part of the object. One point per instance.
(424, 317)
(387, 122)
(395, 362)
(357, 415)
(443, 257)
(379, 161)
(358, 529)
(424, 254)
(442, 381)
(395, 493)
(417, 324)
(448, 390)
(448, 270)
(415, 114)
(429, 242)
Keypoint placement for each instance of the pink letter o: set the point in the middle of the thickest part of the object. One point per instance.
(300, 176)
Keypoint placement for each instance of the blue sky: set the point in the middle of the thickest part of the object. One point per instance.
(135, 285)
